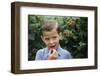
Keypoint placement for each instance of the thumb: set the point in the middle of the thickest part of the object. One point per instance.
(50, 51)
(54, 51)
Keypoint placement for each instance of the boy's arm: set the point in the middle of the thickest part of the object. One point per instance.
(69, 56)
(39, 55)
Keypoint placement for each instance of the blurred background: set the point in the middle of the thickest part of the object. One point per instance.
(74, 34)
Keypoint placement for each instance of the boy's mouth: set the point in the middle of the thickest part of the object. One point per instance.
(53, 46)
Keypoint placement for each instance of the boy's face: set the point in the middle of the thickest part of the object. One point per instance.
(51, 38)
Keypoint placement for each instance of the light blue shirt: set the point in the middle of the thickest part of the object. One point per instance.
(42, 54)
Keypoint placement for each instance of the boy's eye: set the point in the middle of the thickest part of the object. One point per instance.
(54, 37)
(46, 38)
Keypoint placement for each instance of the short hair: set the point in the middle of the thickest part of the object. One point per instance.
(49, 25)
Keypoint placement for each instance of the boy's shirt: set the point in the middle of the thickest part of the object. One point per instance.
(42, 54)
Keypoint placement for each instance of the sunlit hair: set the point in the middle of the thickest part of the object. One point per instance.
(49, 25)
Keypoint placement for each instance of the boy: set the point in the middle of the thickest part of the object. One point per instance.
(50, 36)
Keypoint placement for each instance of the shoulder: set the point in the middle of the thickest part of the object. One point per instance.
(40, 50)
(67, 53)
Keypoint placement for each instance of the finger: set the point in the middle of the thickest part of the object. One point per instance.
(51, 51)
(54, 51)
(55, 54)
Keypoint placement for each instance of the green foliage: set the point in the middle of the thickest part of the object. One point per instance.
(74, 33)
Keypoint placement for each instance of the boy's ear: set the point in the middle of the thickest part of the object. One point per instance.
(42, 38)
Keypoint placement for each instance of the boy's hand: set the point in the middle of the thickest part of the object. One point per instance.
(52, 54)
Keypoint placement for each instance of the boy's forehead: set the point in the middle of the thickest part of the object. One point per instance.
(50, 33)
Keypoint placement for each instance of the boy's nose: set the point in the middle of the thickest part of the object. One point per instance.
(51, 41)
